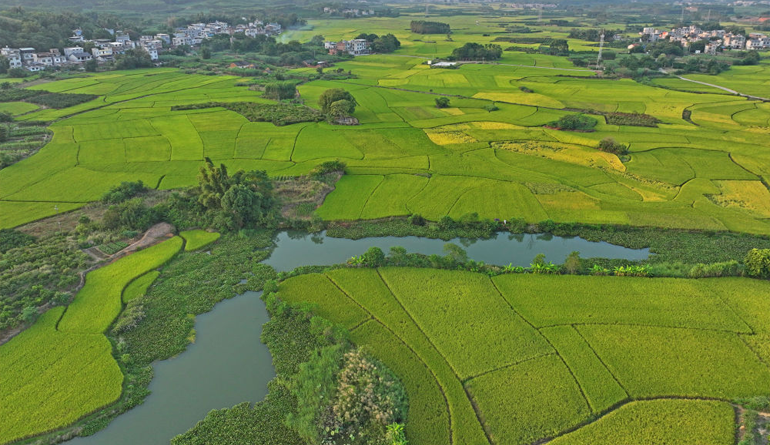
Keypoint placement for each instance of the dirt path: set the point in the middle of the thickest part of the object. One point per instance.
(737, 93)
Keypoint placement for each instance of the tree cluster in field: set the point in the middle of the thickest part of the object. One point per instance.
(336, 103)
(292, 53)
(573, 122)
(44, 98)
(632, 119)
(280, 90)
(593, 35)
(442, 102)
(557, 47)
(477, 51)
(279, 114)
(426, 27)
(133, 59)
(381, 44)
(35, 273)
(610, 145)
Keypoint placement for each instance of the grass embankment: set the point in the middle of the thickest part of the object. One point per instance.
(196, 239)
(519, 358)
(62, 368)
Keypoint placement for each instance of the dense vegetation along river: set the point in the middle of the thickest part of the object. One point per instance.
(228, 364)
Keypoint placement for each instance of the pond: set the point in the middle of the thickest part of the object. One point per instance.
(225, 366)
(296, 249)
(228, 364)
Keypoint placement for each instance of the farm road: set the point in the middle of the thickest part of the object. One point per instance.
(737, 93)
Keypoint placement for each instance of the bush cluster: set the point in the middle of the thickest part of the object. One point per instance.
(426, 27)
(574, 122)
(279, 114)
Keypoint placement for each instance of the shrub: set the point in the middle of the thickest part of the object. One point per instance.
(6, 116)
(574, 122)
(333, 95)
(123, 192)
(442, 102)
(328, 167)
(572, 263)
(491, 107)
(757, 263)
(11, 239)
(426, 27)
(280, 90)
(609, 145)
(416, 220)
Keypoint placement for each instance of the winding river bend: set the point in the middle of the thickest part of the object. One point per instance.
(228, 364)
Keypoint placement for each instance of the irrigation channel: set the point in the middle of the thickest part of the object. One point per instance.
(228, 364)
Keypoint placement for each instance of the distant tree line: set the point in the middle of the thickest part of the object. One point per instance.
(425, 27)
(477, 51)
(593, 35)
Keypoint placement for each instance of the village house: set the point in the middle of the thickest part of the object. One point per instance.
(242, 65)
(13, 55)
(355, 47)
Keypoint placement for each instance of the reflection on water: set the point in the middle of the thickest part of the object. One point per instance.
(296, 249)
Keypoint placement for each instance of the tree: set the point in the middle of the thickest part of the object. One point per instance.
(456, 253)
(243, 199)
(477, 51)
(5, 117)
(134, 58)
(330, 96)
(91, 66)
(3, 133)
(442, 102)
(342, 109)
(386, 44)
(425, 27)
(205, 53)
(757, 263)
(317, 40)
(5, 65)
(18, 73)
(609, 145)
(558, 47)
(572, 263)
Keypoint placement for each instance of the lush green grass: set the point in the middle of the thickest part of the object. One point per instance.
(62, 368)
(522, 358)
(195, 239)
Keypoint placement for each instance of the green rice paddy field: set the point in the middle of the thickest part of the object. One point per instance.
(518, 359)
(408, 156)
(62, 368)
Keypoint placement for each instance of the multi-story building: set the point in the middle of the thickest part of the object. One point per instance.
(13, 55)
(355, 47)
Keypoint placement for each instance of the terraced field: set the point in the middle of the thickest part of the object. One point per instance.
(519, 359)
(62, 368)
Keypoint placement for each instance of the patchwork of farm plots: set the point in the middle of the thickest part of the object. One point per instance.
(63, 368)
(517, 359)
(407, 156)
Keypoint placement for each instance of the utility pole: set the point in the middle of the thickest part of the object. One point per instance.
(681, 19)
(540, 14)
(426, 8)
(708, 18)
(601, 47)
